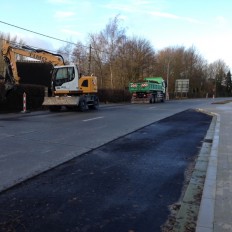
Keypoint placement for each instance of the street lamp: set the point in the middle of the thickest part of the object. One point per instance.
(168, 68)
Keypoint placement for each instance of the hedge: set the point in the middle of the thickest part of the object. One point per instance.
(13, 99)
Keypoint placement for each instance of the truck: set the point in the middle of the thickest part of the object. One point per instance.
(150, 90)
(68, 87)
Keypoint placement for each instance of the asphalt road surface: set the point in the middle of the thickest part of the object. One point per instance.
(125, 185)
(34, 142)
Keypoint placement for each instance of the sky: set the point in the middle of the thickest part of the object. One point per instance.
(205, 25)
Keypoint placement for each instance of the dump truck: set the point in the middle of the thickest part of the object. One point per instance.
(68, 87)
(150, 90)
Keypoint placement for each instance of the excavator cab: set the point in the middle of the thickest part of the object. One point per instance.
(65, 79)
(63, 75)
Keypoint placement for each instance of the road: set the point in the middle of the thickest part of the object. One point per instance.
(35, 142)
(126, 184)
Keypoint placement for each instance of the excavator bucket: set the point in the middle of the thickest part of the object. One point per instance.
(61, 101)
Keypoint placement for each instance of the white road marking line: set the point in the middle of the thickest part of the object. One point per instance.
(153, 107)
(91, 119)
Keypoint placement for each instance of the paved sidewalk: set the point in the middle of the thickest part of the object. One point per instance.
(215, 214)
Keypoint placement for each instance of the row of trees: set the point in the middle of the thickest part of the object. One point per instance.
(117, 59)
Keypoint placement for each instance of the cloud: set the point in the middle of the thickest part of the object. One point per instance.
(164, 15)
(221, 20)
(145, 7)
(122, 17)
(61, 1)
(121, 7)
(173, 16)
(130, 6)
(191, 20)
(71, 32)
(142, 2)
(64, 14)
(35, 41)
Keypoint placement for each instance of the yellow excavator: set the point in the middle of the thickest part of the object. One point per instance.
(68, 88)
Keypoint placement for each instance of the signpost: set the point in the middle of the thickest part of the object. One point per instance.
(182, 87)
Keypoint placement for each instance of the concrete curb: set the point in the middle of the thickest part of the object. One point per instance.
(205, 221)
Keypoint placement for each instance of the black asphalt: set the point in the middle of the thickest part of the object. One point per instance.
(125, 185)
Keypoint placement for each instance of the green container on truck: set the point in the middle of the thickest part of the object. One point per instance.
(150, 90)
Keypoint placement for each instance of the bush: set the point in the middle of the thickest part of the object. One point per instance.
(13, 100)
(114, 95)
(2, 92)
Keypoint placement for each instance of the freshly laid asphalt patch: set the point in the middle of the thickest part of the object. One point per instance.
(123, 186)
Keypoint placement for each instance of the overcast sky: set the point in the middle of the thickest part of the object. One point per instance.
(204, 24)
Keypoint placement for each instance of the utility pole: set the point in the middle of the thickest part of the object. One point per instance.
(89, 60)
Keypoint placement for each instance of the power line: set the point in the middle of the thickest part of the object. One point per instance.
(21, 28)
(19, 45)
(47, 36)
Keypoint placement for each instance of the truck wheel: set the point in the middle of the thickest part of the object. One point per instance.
(152, 100)
(95, 105)
(82, 105)
(156, 99)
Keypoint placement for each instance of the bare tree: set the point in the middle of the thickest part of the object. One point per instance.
(66, 52)
(136, 60)
(168, 62)
(80, 56)
(99, 59)
(220, 69)
(106, 46)
(180, 63)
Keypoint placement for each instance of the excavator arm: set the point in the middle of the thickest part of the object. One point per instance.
(10, 53)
